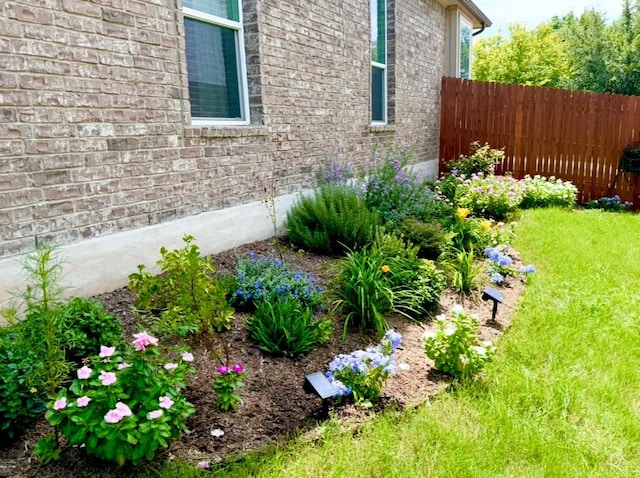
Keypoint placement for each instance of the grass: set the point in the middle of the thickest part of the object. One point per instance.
(561, 399)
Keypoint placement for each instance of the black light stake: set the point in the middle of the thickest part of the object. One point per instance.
(492, 294)
(319, 385)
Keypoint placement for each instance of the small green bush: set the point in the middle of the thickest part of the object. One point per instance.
(186, 296)
(21, 402)
(259, 278)
(427, 286)
(481, 159)
(465, 274)
(454, 346)
(286, 327)
(542, 192)
(331, 221)
(429, 238)
(493, 196)
(87, 326)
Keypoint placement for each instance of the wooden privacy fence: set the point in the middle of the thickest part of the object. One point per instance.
(572, 135)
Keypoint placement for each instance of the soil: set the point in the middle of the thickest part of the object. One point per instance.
(275, 405)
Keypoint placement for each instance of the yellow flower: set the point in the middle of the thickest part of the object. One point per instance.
(34, 390)
(485, 225)
(385, 268)
(463, 212)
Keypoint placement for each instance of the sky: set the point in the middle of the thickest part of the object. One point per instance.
(534, 12)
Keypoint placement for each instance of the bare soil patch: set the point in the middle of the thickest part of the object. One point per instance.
(274, 403)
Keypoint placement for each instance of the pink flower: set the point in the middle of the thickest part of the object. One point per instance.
(166, 403)
(84, 373)
(238, 368)
(124, 410)
(83, 401)
(203, 464)
(107, 378)
(60, 404)
(223, 369)
(123, 365)
(187, 357)
(106, 351)
(154, 414)
(142, 340)
(170, 366)
(113, 416)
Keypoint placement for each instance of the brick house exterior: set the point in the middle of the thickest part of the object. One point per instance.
(99, 152)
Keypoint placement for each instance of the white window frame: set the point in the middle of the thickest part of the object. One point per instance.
(464, 22)
(453, 32)
(241, 62)
(383, 67)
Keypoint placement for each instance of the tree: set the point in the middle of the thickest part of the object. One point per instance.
(528, 57)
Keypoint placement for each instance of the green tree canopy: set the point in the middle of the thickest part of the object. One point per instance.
(583, 53)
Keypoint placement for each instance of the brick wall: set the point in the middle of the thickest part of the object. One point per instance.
(95, 133)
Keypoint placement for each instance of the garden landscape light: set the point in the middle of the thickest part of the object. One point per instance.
(317, 384)
(492, 294)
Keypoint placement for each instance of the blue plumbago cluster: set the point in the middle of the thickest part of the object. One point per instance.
(609, 204)
(263, 278)
(501, 265)
(364, 372)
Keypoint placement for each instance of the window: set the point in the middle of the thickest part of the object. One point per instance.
(459, 36)
(216, 70)
(378, 61)
(465, 48)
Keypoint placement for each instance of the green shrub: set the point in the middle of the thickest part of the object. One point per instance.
(286, 327)
(542, 192)
(259, 278)
(454, 346)
(429, 238)
(481, 159)
(87, 326)
(427, 286)
(334, 219)
(21, 402)
(186, 296)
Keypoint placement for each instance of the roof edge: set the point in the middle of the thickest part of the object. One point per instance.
(479, 18)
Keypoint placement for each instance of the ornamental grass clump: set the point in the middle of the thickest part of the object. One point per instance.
(363, 373)
(454, 346)
(260, 278)
(124, 404)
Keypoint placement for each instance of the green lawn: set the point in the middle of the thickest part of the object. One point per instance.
(561, 399)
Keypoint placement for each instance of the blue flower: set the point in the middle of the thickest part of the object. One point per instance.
(530, 269)
(497, 278)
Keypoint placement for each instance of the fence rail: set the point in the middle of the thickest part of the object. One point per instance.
(572, 135)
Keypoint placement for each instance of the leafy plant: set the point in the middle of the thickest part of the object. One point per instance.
(363, 373)
(542, 192)
(360, 290)
(20, 401)
(186, 296)
(226, 386)
(86, 326)
(454, 346)
(465, 273)
(427, 286)
(259, 278)
(43, 328)
(124, 405)
(286, 327)
(335, 218)
(481, 160)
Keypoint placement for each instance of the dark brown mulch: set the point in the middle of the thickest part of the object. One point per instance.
(274, 403)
